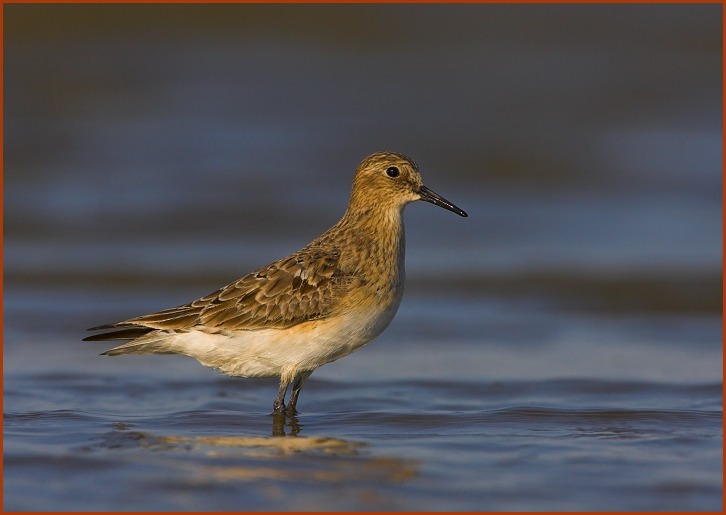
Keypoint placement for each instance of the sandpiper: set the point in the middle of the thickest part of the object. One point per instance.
(305, 310)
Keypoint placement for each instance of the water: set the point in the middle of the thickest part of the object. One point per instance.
(560, 349)
(421, 445)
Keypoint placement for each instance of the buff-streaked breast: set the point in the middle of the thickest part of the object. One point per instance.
(305, 310)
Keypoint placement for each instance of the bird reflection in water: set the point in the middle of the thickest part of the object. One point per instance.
(279, 421)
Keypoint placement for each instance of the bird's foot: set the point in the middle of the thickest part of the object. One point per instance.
(282, 411)
(290, 410)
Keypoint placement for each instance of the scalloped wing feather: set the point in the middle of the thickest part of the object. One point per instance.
(305, 286)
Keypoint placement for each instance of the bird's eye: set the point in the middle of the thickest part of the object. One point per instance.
(393, 171)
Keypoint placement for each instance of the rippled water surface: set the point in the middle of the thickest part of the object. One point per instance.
(560, 349)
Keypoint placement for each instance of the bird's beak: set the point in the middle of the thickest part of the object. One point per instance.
(435, 198)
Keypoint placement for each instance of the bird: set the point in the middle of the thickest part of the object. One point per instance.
(310, 308)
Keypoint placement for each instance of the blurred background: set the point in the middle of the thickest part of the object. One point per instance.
(154, 153)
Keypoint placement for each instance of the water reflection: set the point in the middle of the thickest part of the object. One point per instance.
(278, 425)
(287, 457)
(259, 446)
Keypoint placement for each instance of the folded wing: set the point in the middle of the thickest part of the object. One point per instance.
(305, 286)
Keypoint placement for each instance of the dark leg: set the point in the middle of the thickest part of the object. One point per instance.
(278, 407)
(296, 387)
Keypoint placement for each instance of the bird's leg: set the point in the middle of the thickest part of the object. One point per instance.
(278, 407)
(296, 387)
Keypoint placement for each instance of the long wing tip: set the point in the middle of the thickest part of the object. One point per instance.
(128, 333)
(100, 327)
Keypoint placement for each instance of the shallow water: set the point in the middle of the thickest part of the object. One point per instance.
(560, 349)
(201, 443)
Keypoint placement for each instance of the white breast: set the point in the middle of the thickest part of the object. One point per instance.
(284, 352)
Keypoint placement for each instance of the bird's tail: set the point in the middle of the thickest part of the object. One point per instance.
(144, 340)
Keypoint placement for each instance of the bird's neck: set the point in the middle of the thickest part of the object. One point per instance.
(375, 224)
(378, 237)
